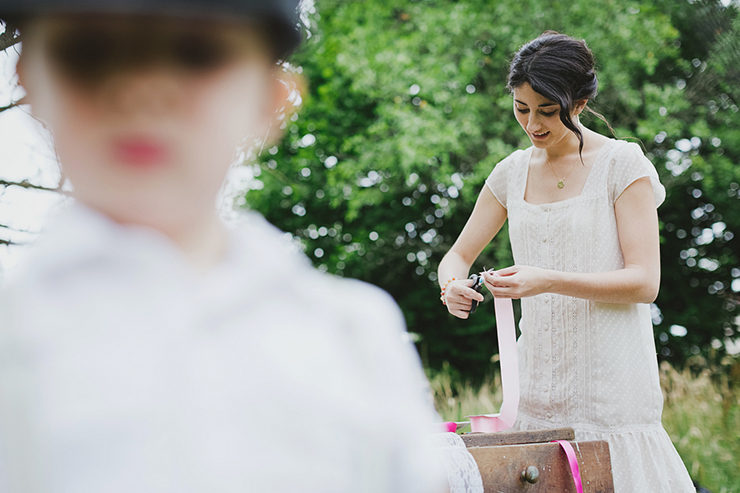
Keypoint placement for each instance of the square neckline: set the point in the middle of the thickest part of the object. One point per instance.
(599, 154)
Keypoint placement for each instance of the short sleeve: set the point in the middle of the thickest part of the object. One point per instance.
(629, 165)
(498, 180)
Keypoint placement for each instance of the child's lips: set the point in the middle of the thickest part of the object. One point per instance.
(140, 152)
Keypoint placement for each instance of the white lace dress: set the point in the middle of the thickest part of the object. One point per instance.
(463, 475)
(583, 364)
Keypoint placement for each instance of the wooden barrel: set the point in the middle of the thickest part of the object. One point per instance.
(528, 462)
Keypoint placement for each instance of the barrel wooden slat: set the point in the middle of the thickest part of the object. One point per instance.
(517, 437)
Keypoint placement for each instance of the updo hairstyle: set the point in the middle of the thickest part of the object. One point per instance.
(561, 69)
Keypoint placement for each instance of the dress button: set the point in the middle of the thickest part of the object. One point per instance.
(544, 239)
(548, 415)
(547, 358)
(547, 327)
(545, 388)
(547, 299)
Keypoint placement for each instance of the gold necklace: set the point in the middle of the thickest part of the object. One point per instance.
(561, 181)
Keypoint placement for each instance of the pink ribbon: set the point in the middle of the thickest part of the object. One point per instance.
(491, 423)
(447, 427)
(573, 462)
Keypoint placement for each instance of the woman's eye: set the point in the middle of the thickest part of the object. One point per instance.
(520, 110)
(549, 113)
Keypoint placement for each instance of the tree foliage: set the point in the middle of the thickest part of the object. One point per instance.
(407, 113)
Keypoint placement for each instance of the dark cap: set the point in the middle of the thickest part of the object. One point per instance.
(281, 16)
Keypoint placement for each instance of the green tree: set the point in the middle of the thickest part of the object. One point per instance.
(701, 217)
(407, 113)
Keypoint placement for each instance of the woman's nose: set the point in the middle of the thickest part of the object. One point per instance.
(533, 123)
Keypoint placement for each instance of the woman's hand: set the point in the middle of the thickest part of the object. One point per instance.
(517, 281)
(459, 296)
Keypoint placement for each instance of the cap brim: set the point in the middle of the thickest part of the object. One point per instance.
(279, 16)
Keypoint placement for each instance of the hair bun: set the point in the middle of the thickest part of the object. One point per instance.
(589, 89)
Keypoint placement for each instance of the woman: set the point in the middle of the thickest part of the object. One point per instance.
(584, 234)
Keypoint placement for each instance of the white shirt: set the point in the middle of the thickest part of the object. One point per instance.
(121, 370)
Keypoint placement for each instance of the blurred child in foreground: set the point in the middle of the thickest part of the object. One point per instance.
(144, 347)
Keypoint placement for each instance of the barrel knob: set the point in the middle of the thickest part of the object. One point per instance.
(531, 475)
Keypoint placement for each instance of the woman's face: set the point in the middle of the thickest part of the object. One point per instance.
(147, 113)
(540, 117)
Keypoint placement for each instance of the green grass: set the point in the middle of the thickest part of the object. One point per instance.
(701, 414)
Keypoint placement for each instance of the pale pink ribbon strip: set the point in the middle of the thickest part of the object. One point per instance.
(573, 462)
(491, 423)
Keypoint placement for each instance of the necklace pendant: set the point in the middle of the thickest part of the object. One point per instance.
(561, 183)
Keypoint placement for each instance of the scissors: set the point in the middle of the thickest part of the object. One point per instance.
(477, 286)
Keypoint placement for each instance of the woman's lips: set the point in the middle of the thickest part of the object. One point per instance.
(140, 152)
(542, 136)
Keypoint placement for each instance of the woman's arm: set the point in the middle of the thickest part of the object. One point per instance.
(637, 282)
(486, 220)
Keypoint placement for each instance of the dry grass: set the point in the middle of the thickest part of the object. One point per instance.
(454, 400)
(701, 414)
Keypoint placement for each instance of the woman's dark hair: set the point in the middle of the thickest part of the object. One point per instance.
(561, 69)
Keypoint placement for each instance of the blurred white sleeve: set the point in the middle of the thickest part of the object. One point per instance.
(390, 359)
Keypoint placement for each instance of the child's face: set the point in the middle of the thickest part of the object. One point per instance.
(147, 114)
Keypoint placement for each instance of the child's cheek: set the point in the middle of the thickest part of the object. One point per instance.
(222, 115)
(242, 103)
(232, 114)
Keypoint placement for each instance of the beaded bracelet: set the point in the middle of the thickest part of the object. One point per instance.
(442, 293)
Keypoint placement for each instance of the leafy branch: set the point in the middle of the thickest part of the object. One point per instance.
(9, 37)
(12, 105)
(28, 185)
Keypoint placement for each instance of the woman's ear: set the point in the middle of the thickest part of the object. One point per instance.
(287, 92)
(580, 106)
